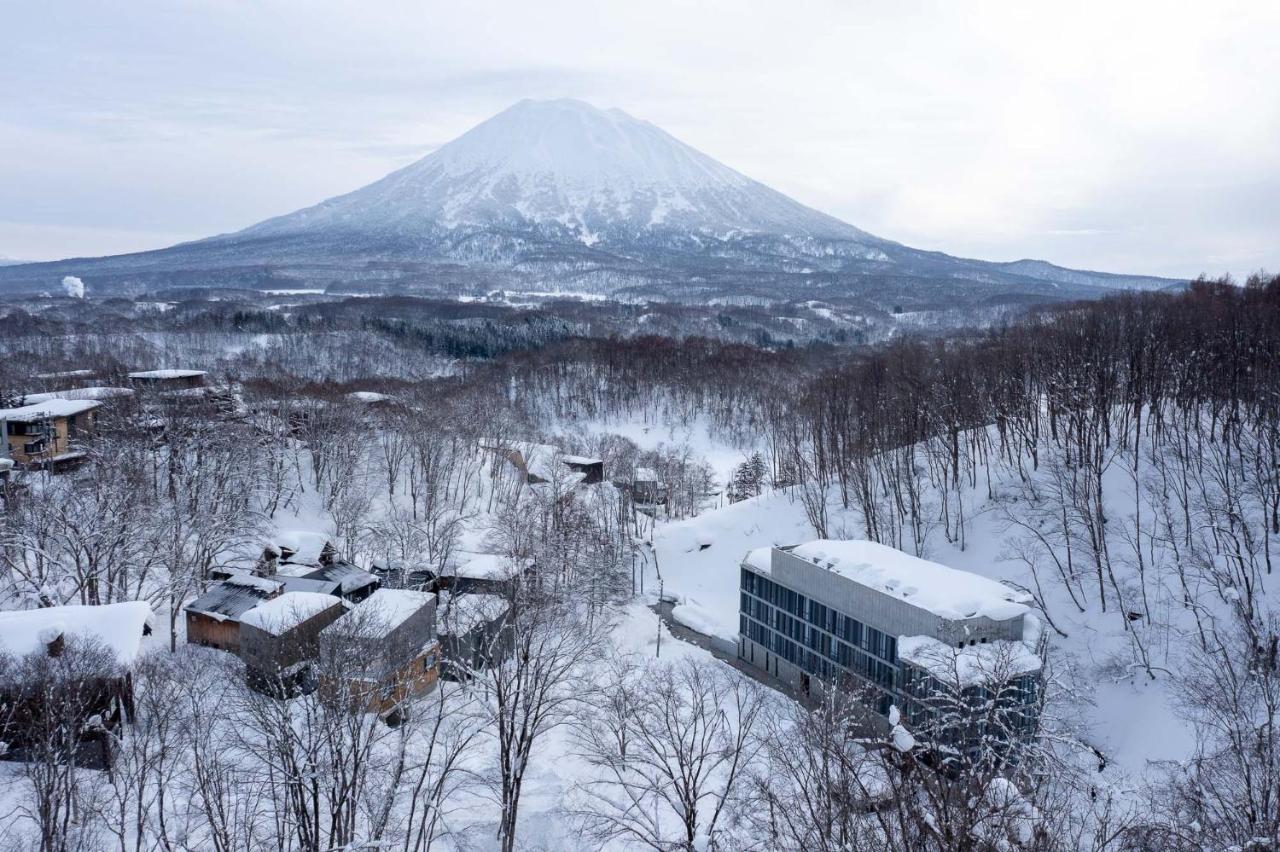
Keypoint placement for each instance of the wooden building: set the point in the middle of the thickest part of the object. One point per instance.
(46, 433)
(213, 619)
(385, 650)
(69, 669)
(474, 633)
(280, 640)
(538, 463)
(168, 380)
(481, 573)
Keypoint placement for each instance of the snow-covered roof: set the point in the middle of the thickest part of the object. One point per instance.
(167, 374)
(342, 577)
(233, 597)
(66, 374)
(52, 408)
(382, 612)
(118, 627)
(249, 581)
(971, 665)
(280, 615)
(460, 614)
(482, 566)
(760, 559)
(6, 464)
(368, 396)
(77, 393)
(307, 545)
(946, 592)
(568, 459)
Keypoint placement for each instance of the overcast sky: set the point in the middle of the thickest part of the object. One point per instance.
(1123, 136)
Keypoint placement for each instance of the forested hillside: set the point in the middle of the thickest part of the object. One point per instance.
(1117, 460)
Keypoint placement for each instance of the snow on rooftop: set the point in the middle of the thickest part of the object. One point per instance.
(569, 459)
(117, 626)
(483, 566)
(56, 407)
(946, 592)
(249, 581)
(760, 559)
(368, 396)
(282, 614)
(307, 545)
(167, 374)
(971, 665)
(382, 612)
(66, 374)
(460, 614)
(77, 393)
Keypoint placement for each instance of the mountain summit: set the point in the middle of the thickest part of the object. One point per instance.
(566, 163)
(562, 196)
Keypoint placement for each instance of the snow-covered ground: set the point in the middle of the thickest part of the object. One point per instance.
(1131, 717)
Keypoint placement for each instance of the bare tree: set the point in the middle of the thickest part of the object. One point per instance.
(671, 743)
(535, 688)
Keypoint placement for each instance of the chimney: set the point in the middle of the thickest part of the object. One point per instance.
(267, 565)
(54, 639)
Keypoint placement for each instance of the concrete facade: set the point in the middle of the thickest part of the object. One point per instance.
(812, 627)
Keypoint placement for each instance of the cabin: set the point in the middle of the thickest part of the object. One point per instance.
(481, 573)
(394, 574)
(280, 640)
(474, 633)
(168, 380)
(46, 433)
(537, 464)
(213, 619)
(293, 548)
(69, 663)
(385, 650)
(647, 488)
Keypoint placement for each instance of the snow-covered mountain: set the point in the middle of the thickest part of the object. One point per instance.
(566, 164)
(560, 195)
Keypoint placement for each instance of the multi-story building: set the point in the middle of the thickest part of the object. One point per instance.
(46, 432)
(899, 630)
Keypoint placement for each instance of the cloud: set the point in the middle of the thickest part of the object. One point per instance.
(988, 130)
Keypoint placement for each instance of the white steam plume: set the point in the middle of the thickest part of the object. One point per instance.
(74, 287)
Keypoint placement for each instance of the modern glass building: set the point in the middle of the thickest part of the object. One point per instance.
(900, 630)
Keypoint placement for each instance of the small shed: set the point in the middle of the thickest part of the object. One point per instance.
(592, 469)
